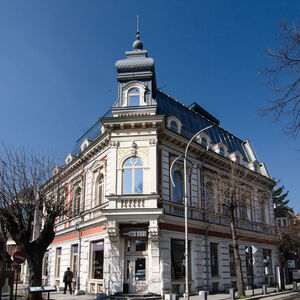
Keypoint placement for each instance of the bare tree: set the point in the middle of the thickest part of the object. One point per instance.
(231, 194)
(283, 71)
(24, 202)
(5, 260)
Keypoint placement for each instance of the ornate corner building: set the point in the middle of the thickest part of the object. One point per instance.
(124, 231)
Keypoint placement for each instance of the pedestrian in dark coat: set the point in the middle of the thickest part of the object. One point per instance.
(68, 276)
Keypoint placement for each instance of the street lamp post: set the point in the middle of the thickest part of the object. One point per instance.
(185, 199)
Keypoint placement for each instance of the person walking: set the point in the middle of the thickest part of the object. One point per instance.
(68, 276)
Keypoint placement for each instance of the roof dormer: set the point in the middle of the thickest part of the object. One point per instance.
(69, 158)
(236, 157)
(84, 144)
(220, 148)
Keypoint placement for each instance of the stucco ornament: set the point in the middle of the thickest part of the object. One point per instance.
(134, 148)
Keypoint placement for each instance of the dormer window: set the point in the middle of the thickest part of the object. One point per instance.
(84, 144)
(236, 157)
(204, 140)
(134, 96)
(174, 124)
(222, 151)
(69, 158)
(220, 148)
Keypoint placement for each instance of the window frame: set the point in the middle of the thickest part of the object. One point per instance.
(177, 182)
(132, 175)
(214, 268)
(92, 257)
(58, 253)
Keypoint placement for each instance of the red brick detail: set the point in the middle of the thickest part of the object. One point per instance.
(73, 236)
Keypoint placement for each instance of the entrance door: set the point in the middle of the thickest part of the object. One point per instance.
(136, 265)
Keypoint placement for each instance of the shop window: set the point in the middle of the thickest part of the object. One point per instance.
(133, 176)
(134, 96)
(57, 262)
(178, 188)
(214, 266)
(178, 259)
(74, 259)
(97, 249)
(232, 261)
(100, 190)
(45, 264)
(267, 260)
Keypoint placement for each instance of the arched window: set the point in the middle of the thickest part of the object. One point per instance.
(100, 190)
(76, 202)
(209, 195)
(178, 189)
(174, 126)
(134, 96)
(133, 176)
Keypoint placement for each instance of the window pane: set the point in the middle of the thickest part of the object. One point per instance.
(177, 256)
(140, 268)
(140, 245)
(134, 91)
(97, 260)
(138, 183)
(127, 188)
(214, 259)
(134, 100)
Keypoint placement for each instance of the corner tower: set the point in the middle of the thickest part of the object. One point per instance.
(136, 82)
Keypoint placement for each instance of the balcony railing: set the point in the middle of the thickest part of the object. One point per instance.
(132, 201)
(203, 215)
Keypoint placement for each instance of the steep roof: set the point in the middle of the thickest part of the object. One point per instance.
(193, 121)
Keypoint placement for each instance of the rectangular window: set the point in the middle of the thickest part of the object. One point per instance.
(57, 263)
(178, 259)
(97, 249)
(74, 260)
(267, 255)
(248, 260)
(45, 264)
(214, 259)
(232, 262)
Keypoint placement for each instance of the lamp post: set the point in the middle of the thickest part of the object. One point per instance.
(185, 201)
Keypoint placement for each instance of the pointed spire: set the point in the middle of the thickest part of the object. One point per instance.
(137, 44)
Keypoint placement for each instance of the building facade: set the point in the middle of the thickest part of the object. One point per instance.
(124, 231)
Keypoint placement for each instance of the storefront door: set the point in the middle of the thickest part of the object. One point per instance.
(136, 266)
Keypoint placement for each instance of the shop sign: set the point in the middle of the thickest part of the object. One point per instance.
(296, 274)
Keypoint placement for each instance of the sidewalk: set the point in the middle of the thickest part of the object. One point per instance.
(272, 295)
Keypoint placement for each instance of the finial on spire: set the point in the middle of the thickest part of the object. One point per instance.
(137, 44)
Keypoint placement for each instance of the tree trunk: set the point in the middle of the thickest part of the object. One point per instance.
(237, 258)
(35, 263)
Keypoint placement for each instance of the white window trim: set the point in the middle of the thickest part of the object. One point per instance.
(233, 156)
(177, 121)
(204, 135)
(69, 158)
(84, 144)
(134, 85)
(216, 148)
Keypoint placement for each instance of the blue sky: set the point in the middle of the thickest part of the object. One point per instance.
(57, 74)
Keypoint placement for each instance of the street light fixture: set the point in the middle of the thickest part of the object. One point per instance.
(185, 200)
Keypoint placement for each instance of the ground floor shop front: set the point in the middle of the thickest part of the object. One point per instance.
(134, 259)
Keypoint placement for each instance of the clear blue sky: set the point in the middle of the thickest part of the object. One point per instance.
(57, 74)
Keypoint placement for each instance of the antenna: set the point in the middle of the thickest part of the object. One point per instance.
(137, 23)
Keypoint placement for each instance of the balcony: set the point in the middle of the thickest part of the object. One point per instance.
(140, 201)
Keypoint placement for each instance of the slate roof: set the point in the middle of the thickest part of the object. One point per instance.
(192, 122)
